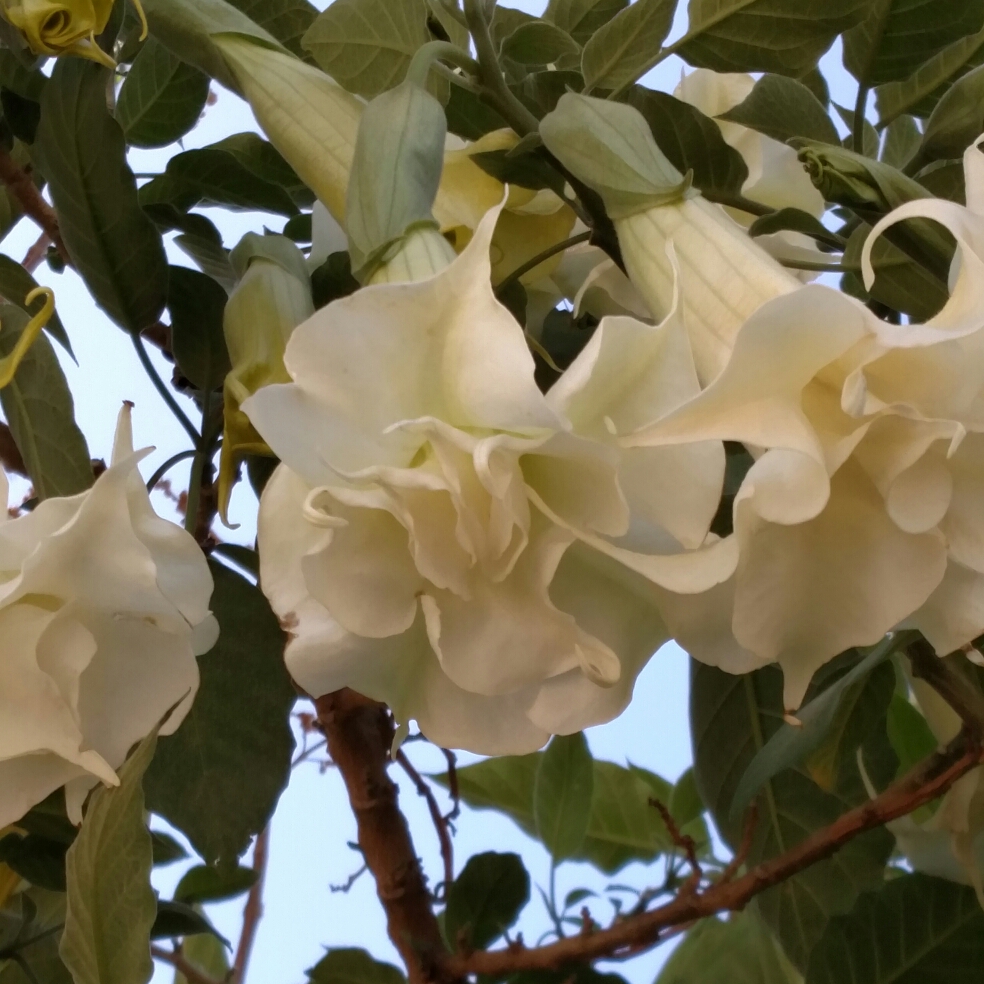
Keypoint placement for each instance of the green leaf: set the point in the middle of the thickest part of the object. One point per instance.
(161, 97)
(797, 220)
(957, 120)
(42, 964)
(286, 20)
(39, 860)
(897, 34)
(620, 50)
(945, 179)
(914, 929)
(843, 712)
(731, 719)
(197, 303)
(539, 43)
(782, 108)
(111, 905)
(869, 135)
(115, 247)
(205, 883)
(348, 965)
(910, 735)
(39, 409)
(920, 92)
(207, 953)
(900, 282)
(235, 744)
(211, 256)
(176, 919)
(687, 809)
(261, 158)
(623, 827)
(15, 284)
(366, 45)
(242, 556)
(691, 140)
(784, 36)
(469, 117)
(902, 139)
(166, 849)
(581, 18)
(562, 795)
(215, 176)
(485, 900)
(27, 82)
(739, 951)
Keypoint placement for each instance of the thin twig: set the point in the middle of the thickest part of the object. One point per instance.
(167, 466)
(177, 960)
(683, 841)
(741, 856)
(923, 784)
(23, 188)
(542, 257)
(166, 395)
(253, 910)
(453, 790)
(438, 819)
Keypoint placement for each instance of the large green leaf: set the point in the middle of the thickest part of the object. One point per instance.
(235, 745)
(207, 953)
(15, 284)
(732, 717)
(207, 883)
(80, 148)
(897, 34)
(286, 20)
(562, 795)
(956, 121)
(197, 305)
(784, 36)
(581, 18)
(914, 930)
(485, 900)
(691, 140)
(366, 45)
(739, 951)
(539, 43)
(834, 723)
(39, 408)
(111, 905)
(782, 108)
(349, 965)
(41, 961)
(622, 826)
(920, 91)
(620, 50)
(161, 98)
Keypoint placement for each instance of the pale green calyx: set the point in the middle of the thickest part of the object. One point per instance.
(399, 154)
(610, 147)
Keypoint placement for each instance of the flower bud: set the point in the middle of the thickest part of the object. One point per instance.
(723, 275)
(61, 27)
(273, 297)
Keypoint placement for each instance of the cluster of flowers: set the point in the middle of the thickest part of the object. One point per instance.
(497, 563)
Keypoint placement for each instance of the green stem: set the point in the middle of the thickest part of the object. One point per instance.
(822, 267)
(167, 466)
(860, 106)
(202, 455)
(521, 271)
(166, 395)
(428, 54)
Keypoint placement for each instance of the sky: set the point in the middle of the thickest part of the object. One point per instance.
(313, 823)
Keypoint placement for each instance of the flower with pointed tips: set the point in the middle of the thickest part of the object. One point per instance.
(428, 540)
(103, 608)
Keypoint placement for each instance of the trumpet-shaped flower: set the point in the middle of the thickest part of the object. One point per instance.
(723, 275)
(61, 27)
(419, 540)
(103, 608)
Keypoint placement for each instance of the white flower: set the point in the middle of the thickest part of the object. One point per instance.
(103, 608)
(418, 541)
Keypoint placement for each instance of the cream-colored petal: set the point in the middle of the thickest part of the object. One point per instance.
(809, 591)
(953, 615)
(963, 525)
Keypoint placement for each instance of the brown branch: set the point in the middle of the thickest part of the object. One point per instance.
(681, 840)
(439, 820)
(944, 675)
(253, 910)
(923, 784)
(744, 848)
(23, 188)
(177, 960)
(360, 734)
(36, 253)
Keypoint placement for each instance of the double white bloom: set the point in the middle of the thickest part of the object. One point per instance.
(103, 608)
(426, 540)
